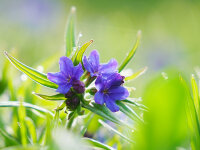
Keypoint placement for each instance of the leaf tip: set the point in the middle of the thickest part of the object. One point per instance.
(5, 53)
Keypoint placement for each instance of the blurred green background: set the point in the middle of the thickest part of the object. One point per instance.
(170, 31)
(34, 31)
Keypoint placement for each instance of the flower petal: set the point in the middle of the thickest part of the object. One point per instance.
(110, 67)
(57, 78)
(64, 88)
(94, 59)
(100, 83)
(114, 79)
(77, 72)
(111, 104)
(88, 66)
(118, 93)
(98, 97)
(66, 65)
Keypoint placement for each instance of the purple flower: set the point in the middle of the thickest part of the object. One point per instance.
(67, 76)
(110, 89)
(93, 65)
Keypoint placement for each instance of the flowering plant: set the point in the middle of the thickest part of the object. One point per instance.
(85, 85)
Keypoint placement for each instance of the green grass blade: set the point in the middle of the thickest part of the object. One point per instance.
(31, 128)
(84, 129)
(23, 131)
(140, 106)
(27, 105)
(35, 75)
(131, 53)
(102, 111)
(107, 126)
(97, 144)
(9, 140)
(128, 111)
(195, 94)
(56, 97)
(79, 55)
(70, 41)
(136, 74)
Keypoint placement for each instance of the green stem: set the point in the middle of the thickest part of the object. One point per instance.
(71, 120)
(89, 81)
(85, 74)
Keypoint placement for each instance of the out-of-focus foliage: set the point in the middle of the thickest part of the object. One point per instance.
(34, 29)
(166, 120)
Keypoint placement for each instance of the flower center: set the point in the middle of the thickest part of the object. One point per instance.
(105, 91)
(69, 78)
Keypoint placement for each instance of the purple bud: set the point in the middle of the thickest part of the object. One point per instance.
(72, 103)
(78, 86)
(69, 94)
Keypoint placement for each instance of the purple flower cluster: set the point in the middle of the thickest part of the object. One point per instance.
(109, 83)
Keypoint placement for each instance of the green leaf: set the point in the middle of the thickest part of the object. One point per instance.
(131, 53)
(102, 111)
(56, 97)
(70, 33)
(114, 130)
(27, 105)
(9, 140)
(84, 129)
(97, 144)
(23, 131)
(79, 54)
(31, 128)
(140, 106)
(136, 74)
(195, 94)
(128, 111)
(35, 75)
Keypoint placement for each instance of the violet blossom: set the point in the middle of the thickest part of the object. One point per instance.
(68, 76)
(110, 90)
(93, 65)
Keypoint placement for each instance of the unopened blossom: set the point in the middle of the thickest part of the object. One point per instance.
(93, 65)
(110, 90)
(68, 75)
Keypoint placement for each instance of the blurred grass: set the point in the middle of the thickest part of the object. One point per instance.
(166, 121)
(170, 37)
(170, 30)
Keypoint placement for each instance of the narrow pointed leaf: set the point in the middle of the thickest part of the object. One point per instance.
(27, 105)
(102, 111)
(114, 131)
(195, 93)
(35, 75)
(131, 53)
(136, 74)
(31, 128)
(84, 129)
(128, 111)
(56, 97)
(70, 33)
(79, 54)
(141, 106)
(9, 140)
(23, 131)
(97, 144)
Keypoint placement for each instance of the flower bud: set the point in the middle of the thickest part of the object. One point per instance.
(69, 94)
(92, 91)
(72, 103)
(78, 86)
